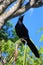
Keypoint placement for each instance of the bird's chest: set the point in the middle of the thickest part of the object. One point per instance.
(20, 31)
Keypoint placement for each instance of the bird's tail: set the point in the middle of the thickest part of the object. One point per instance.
(32, 47)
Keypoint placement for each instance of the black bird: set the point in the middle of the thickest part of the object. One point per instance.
(22, 32)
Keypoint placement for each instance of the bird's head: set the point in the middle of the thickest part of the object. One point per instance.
(21, 19)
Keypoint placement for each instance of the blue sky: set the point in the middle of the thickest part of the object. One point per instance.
(33, 20)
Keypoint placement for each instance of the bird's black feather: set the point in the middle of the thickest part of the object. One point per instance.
(22, 32)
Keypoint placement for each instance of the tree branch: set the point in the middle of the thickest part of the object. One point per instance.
(12, 10)
(3, 17)
(5, 4)
(16, 10)
(1, 1)
(25, 8)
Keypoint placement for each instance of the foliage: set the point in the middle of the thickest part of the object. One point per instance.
(7, 48)
(41, 39)
(40, 30)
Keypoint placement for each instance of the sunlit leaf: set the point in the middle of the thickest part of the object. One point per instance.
(41, 39)
(41, 29)
(41, 50)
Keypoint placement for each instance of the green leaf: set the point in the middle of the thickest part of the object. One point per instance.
(41, 50)
(41, 39)
(41, 29)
